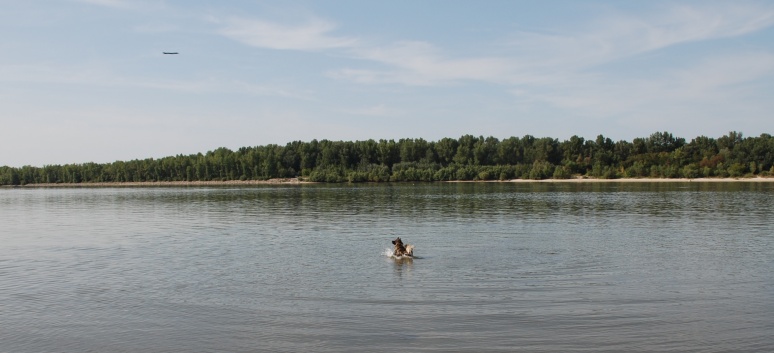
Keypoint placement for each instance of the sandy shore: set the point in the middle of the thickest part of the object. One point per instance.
(648, 180)
(296, 181)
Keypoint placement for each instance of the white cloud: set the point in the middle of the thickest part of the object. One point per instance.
(546, 59)
(126, 4)
(107, 3)
(91, 76)
(712, 87)
(722, 72)
(686, 96)
(311, 36)
(574, 78)
(101, 77)
(620, 36)
(379, 110)
(534, 59)
(419, 63)
(273, 90)
(688, 23)
(156, 28)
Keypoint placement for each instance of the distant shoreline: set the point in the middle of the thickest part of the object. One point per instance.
(650, 180)
(284, 181)
(297, 181)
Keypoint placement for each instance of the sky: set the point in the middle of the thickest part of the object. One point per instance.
(87, 81)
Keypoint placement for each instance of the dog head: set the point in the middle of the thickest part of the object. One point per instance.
(402, 250)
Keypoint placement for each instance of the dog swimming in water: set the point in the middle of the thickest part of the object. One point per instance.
(401, 249)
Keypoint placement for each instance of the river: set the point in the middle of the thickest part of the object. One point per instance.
(500, 267)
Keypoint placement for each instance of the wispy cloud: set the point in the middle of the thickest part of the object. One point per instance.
(104, 77)
(420, 63)
(311, 36)
(572, 65)
(156, 28)
(624, 35)
(379, 110)
(566, 70)
(130, 5)
(704, 86)
(90, 76)
(724, 72)
(695, 23)
(108, 3)
(540, 58)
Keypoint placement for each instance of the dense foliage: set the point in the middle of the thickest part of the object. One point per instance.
(468, 158)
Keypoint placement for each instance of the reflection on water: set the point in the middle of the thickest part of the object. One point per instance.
(500, 267)
(403, 265)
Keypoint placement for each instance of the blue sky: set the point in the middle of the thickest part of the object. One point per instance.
(86, 80)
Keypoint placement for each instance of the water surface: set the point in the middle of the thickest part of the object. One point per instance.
(661, 267)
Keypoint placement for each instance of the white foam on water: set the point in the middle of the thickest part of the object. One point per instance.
(389, 253)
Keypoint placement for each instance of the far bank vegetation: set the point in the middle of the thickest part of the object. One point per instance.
(661, 155)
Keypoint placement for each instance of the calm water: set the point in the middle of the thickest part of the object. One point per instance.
(502, 267)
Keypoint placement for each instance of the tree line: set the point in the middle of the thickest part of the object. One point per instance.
(661, 155)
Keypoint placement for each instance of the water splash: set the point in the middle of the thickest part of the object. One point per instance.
(390, 253)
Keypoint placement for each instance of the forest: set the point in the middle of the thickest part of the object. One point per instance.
(661, 155)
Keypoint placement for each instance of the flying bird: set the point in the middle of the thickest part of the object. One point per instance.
(170, 52)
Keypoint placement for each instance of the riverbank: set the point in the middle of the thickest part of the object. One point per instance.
(283, 181)
(297, 181)
(648, 180)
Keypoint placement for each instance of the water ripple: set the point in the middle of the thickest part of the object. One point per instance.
(500, 267)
